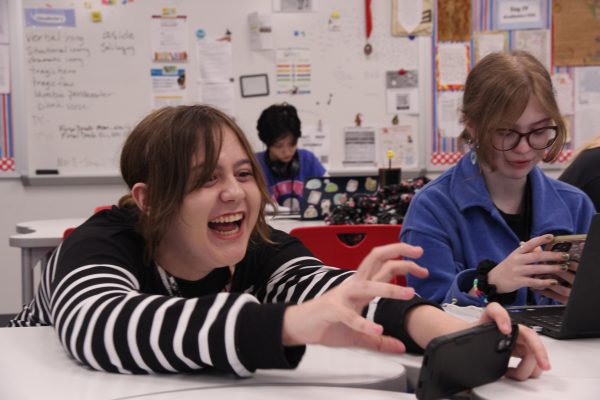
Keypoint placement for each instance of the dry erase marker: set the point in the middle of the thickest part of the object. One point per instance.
(46, 172)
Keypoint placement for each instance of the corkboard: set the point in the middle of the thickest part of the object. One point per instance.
(576, 32)
(454, 20)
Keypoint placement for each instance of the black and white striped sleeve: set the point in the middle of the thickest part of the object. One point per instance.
(297, 276)
(104, 321)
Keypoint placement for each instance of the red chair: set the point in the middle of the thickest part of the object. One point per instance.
(345, 246)
(100, 208)
(68, 231)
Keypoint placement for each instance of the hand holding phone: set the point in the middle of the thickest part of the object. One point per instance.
(571, 244)
(464, 359)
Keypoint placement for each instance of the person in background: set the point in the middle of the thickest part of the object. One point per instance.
(284, 165)
(584, 171)
(482, 222)
(185, 274)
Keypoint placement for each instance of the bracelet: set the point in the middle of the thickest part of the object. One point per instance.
(478, 292)
(488, 289)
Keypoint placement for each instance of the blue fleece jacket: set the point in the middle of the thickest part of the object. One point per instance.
(280, 189)
(454, 220)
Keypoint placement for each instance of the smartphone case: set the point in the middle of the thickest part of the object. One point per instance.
(572, 244)
(463, 360)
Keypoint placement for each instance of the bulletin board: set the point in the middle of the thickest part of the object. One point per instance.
(82, 85)
(576, 32)
(503, 25)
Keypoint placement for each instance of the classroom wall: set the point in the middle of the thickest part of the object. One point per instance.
(20, 203)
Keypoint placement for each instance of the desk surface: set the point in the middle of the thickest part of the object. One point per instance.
(35, 366)
(575, 374)
(49, 232)
(276, 392)
(575, 369)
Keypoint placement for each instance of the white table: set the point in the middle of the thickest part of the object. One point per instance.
(575, 375)
(34, 365)
(276, 392)
(38, 238)
(575, 372)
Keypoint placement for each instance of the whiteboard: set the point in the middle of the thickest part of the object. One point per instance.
(80, 88)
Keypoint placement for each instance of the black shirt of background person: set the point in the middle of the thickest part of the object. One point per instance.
(584, 172)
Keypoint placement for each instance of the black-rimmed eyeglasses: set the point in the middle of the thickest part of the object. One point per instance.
(538, 139)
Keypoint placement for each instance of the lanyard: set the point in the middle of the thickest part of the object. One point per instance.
(168, 282)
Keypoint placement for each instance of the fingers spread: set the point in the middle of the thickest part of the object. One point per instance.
(394, 268)
(365, 291)
(358, 323)
(379, 255)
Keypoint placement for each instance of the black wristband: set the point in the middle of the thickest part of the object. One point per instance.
(489, 289)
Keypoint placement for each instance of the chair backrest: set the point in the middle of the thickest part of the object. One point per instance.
(345, 246)
(68, 231)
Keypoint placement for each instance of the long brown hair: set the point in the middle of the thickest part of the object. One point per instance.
(496, 93)
(160, 151)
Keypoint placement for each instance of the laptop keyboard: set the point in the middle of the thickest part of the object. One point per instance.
(549, 318)
(552, 320)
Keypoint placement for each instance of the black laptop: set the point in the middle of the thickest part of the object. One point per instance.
(580, 317)
(322, 194)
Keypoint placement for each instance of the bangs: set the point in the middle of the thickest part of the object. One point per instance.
(515, 106)
(209, 142)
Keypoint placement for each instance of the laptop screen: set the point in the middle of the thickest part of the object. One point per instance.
(322, 194)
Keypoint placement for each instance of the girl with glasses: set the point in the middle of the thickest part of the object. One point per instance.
(482, 223)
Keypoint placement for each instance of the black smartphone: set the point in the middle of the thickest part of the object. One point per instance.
(464, 359)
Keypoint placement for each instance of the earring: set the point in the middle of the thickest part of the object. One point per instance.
(474, 153)
(473, 157)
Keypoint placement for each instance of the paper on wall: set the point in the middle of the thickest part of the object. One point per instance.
(261, 31)
(215, 60)
(168, 86)
(217, 94)
(402, 140)
(359, 146)
(453, 65)
(449, 104)
(563, 87)
(316, 138)
(169, 38)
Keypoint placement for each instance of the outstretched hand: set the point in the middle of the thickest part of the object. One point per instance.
(334, 318)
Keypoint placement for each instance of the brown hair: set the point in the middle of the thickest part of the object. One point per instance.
(496, 93)
(160, 151)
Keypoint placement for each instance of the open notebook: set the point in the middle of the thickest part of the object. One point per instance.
(580, 317)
